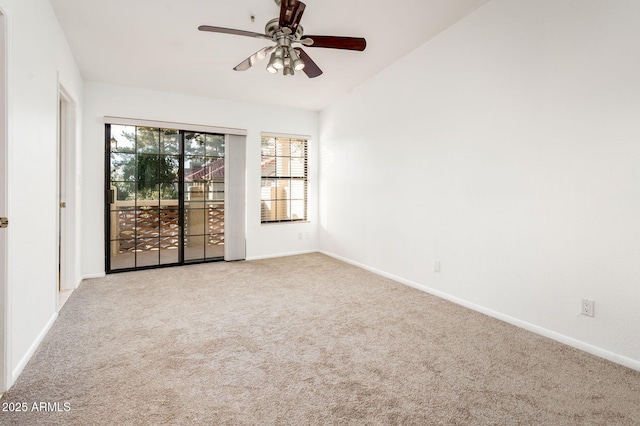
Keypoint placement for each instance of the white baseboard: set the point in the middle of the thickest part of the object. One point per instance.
(570, 341)
(32, 349)
(271, 256)
(92, 276)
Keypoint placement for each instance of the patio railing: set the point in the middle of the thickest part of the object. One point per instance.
(147, 225)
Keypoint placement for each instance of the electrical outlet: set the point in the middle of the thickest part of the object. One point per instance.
(299, 235)
(587, 307)
(436, 266)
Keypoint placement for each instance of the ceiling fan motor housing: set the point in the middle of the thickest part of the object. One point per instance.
(273, 28)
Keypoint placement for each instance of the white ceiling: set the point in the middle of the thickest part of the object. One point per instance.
(155, 44)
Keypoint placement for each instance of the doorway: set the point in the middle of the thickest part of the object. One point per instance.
(165, 197)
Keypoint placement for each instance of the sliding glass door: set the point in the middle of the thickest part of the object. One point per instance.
(204, 196)
(165, 197)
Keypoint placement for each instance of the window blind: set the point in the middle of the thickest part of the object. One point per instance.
(284, 179)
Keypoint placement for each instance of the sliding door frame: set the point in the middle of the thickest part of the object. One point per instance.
(234, 190)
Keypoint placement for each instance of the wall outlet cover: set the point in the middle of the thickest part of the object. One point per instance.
(587, 307)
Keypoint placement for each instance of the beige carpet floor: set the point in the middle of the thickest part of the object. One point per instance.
(303, 340)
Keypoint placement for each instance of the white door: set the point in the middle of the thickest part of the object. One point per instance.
(66, 198)
(62, 195)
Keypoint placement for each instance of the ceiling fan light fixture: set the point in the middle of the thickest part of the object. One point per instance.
(298, 64)
(278, 63)
(271, 69)
(277, 58)
(275, 64)
(288, 69)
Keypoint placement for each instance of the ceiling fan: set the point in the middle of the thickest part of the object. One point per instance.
(284, 32)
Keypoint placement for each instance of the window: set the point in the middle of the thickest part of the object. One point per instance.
(284, 179)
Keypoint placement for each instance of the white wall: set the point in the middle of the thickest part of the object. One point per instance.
(108, 100)
(508, 149)
(39, 58)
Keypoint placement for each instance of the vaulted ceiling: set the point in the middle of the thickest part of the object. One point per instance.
(155, 44)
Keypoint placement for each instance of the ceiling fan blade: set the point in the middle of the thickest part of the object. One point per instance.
(291, 13)
(286, 8)
(310, 68)
(297, 16)
(255, 58)
(232, 31)
(332, 42)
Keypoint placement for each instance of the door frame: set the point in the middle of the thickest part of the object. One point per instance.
(5, 370)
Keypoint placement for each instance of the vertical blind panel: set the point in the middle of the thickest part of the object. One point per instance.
(234, 214)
